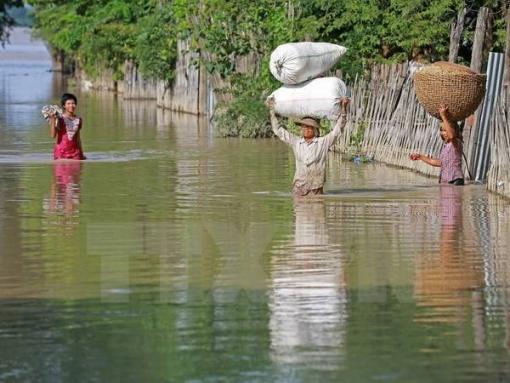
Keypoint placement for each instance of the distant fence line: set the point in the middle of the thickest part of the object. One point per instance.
(193, 90)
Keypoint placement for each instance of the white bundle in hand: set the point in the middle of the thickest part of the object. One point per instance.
(319, 98)
(294, 63)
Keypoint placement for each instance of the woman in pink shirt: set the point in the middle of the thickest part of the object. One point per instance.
(450, 159)
(66, 129)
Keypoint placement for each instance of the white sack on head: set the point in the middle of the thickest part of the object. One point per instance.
(295, 63)
(319, 98)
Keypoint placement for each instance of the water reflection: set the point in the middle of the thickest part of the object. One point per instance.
(447, 281)
(11, 264)
(23, 63)
(308, 296)
(139, 112)
(497, 266)
(65, 189)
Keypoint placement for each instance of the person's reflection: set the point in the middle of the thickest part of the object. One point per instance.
(444, 282)
(308, 299)
(65, 189)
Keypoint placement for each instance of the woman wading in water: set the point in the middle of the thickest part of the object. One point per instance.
(310, 150)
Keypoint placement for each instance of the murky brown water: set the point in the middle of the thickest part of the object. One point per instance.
(172, 255)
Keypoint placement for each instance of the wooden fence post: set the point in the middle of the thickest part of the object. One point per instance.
(456, 33)
(479, 40)
(506, 75)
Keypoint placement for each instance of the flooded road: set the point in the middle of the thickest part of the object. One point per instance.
(172, 255)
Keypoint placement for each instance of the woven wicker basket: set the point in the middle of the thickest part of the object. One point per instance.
(453, 85)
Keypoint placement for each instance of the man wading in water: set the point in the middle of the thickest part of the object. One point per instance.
(310, 150)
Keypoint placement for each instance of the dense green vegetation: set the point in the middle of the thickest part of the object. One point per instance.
(103, 34)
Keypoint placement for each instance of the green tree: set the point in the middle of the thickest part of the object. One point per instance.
(155, 49)
(97, 34)
(102, 34)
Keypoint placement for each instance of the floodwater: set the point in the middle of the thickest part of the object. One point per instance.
(172, 255)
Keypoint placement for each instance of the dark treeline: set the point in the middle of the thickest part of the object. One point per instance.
(101, 34)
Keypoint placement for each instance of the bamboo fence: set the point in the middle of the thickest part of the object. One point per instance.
(385, 110)
(387, 115)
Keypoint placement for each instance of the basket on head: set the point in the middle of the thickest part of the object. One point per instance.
(453, 85)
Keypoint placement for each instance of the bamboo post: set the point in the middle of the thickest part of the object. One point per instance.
(202, 90)
(455, 34)
(506, 76)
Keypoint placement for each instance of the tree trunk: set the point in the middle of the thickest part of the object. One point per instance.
(506, 76)
(291, 15)
(58, 61)
(455, 35)
(479, 41)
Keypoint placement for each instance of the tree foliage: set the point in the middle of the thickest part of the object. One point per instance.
(108, 32)
(105, 33)
(155, 45)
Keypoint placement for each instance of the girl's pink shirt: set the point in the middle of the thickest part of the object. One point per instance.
(451, 163)
(66, 148)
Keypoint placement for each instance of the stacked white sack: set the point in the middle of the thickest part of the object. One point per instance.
(294, 63)
(319, 98)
